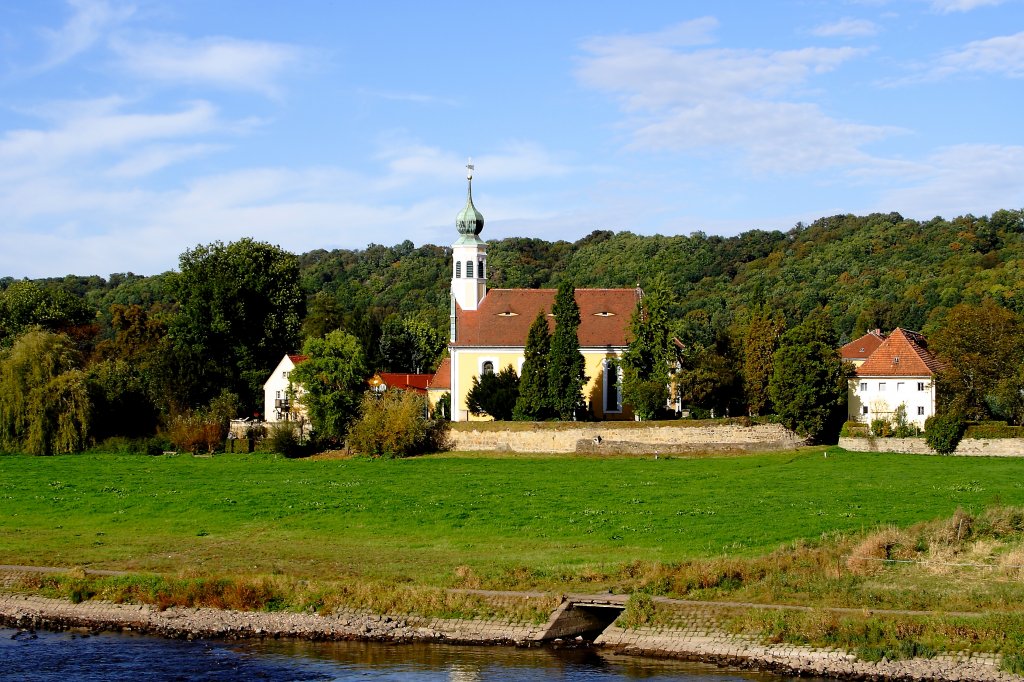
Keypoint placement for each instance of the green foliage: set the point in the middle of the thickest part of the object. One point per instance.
(394, 424)
(204, 429)
(534, 401)
(980, 347)
(809, 382)
(283, 438)
(25, 304)
(494, 394)
(648, 357)
(443, 406)
(44, 395)
(943, 432)
(852, 429)
(993, 430)
(565, 362)
(762, 339)
(333, 378)
(240, 308)
(639, 611)
(881, 428)
(411, 345)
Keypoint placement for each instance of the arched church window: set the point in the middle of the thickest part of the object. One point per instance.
(480, 269)
(469, 268)
(488, 367)
(458, 269)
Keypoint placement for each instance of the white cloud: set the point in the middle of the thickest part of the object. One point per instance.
(98, 127)
(948, 6)
(967, 178)
(222, 62)
(846, 28)
(741, 100)
(88, 24)
(999, 55)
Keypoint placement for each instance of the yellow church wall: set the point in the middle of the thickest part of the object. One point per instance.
(467, 365)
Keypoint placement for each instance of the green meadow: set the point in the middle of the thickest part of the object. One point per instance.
(434, 520)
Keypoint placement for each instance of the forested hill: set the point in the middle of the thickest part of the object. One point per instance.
(880, 270)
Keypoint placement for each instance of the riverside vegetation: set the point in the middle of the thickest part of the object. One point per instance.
(861, 530)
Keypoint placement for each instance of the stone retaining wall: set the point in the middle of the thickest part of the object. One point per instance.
(968, 447)
(692, 633)
(612, 438)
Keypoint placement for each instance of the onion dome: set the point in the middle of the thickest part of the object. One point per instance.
(469, 221)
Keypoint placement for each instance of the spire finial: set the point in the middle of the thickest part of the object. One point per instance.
(470, 168)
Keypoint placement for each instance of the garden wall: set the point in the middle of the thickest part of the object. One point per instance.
(626, 438)
(970, 447)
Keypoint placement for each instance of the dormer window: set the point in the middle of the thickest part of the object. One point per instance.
(508, 313)
(604, 313)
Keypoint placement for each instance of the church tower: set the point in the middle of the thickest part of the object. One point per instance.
(469, 254)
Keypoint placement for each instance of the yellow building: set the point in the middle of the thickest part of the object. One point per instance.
(489, 328)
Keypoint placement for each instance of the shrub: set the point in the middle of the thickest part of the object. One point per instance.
(881, 428)
(494, 394)
(394, 424)
(639, 611)
(852, 429)
(283, 438)
(943, 432)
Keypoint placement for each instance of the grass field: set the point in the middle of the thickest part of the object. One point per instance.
(421, 519)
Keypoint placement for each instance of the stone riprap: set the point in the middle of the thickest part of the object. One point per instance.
(693, 634)
(968, 447)
(616, 438)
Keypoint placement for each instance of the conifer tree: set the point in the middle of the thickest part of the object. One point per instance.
(565, 362)
(533, 402)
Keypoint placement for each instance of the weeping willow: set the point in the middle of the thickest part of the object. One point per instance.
(44, 396)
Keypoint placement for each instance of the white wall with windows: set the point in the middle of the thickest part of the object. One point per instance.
(878, 397)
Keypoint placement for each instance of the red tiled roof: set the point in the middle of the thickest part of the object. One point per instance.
(505, 315)
(903, 353)
(443, 376)
(416, 383)
(298, 359)
(862, 348)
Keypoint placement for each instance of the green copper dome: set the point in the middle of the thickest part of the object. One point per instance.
(469, 221)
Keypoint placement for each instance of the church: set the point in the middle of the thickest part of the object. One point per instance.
(488, 328)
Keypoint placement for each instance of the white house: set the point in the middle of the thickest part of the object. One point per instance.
(900, 371)
(278, 405)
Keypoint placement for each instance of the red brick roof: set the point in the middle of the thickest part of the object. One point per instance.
(417, 383)
(862, 348)
(298, 359)
(504, 317)
(443, 376)
(902, 354)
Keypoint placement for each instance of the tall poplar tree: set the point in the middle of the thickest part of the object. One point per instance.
(534, 403)
(565, 362)
(763, 333)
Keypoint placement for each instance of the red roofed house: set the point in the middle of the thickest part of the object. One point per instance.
(489, 328)
(440, 383)
(859, 350)
(901, 371)
(417, 383)
(278, 406)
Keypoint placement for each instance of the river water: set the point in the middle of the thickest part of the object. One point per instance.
(71, 656)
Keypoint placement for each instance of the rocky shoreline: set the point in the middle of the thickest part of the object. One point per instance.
(29, 612)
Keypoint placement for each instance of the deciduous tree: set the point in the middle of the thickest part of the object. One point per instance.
(647, 360)
(333, 378)
(809, 381)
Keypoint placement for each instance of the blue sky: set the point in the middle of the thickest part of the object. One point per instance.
(131, 131)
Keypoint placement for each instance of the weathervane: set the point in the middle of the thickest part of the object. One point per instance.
(471, 167)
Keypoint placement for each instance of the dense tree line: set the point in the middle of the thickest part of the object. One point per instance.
(144, 351)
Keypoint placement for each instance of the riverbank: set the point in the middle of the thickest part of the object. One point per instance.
(692, 637)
